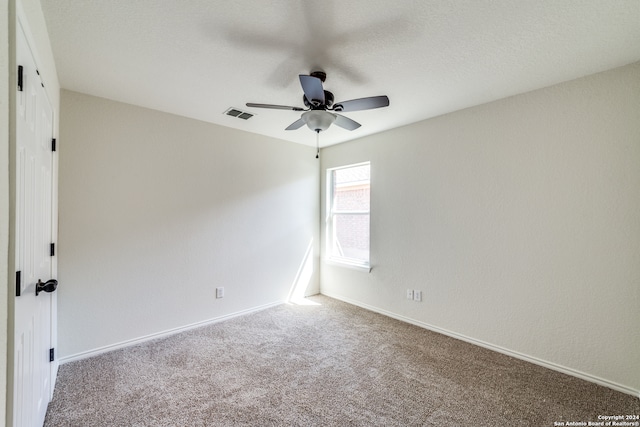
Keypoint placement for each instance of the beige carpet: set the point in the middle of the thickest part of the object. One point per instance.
(331, 364)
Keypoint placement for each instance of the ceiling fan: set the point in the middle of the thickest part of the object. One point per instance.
(321, 111)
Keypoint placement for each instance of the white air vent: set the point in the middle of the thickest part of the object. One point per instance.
(234, 112)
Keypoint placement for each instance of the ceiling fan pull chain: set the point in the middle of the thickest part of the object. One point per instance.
(317, 144)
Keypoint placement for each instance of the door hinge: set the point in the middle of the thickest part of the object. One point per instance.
(18, 282)
(52, 354)
(20, 70)
(53, 144)
(52, 249)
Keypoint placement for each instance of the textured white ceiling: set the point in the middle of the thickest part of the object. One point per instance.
(196, 58)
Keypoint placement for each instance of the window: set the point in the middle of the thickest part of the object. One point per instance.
(348, 195)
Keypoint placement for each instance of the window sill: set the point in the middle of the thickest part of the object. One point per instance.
(347, 264)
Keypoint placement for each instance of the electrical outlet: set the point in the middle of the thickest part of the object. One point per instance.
(409, 293)
(417, 295)
(220, 292)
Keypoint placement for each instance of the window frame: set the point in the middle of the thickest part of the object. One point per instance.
(330, 228)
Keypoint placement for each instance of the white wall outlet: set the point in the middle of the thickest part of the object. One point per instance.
(417, 295)
(409, 293)
(220, 292)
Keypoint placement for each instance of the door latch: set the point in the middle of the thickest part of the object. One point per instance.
(48, 286)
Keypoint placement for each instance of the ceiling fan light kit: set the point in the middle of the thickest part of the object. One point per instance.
(318, 120)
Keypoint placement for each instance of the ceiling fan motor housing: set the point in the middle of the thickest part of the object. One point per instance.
(328, 101)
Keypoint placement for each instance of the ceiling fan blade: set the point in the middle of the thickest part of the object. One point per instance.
(346, 123)
(274, 107)
(362, 104)
(313, 90)
(296, 125)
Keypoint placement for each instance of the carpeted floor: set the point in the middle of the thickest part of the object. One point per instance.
(330, 364)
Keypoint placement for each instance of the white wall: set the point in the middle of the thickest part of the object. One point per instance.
(520, 222)
(157, 210)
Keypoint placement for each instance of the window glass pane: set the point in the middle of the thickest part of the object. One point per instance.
(351, 189)
(348, 214)
(351, 237)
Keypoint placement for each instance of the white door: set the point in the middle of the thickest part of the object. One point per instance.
(32, 321)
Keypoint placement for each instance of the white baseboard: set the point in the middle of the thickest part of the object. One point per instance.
(517, 355)
(135, 341)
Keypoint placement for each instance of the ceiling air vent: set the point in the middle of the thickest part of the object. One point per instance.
(238, 113)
